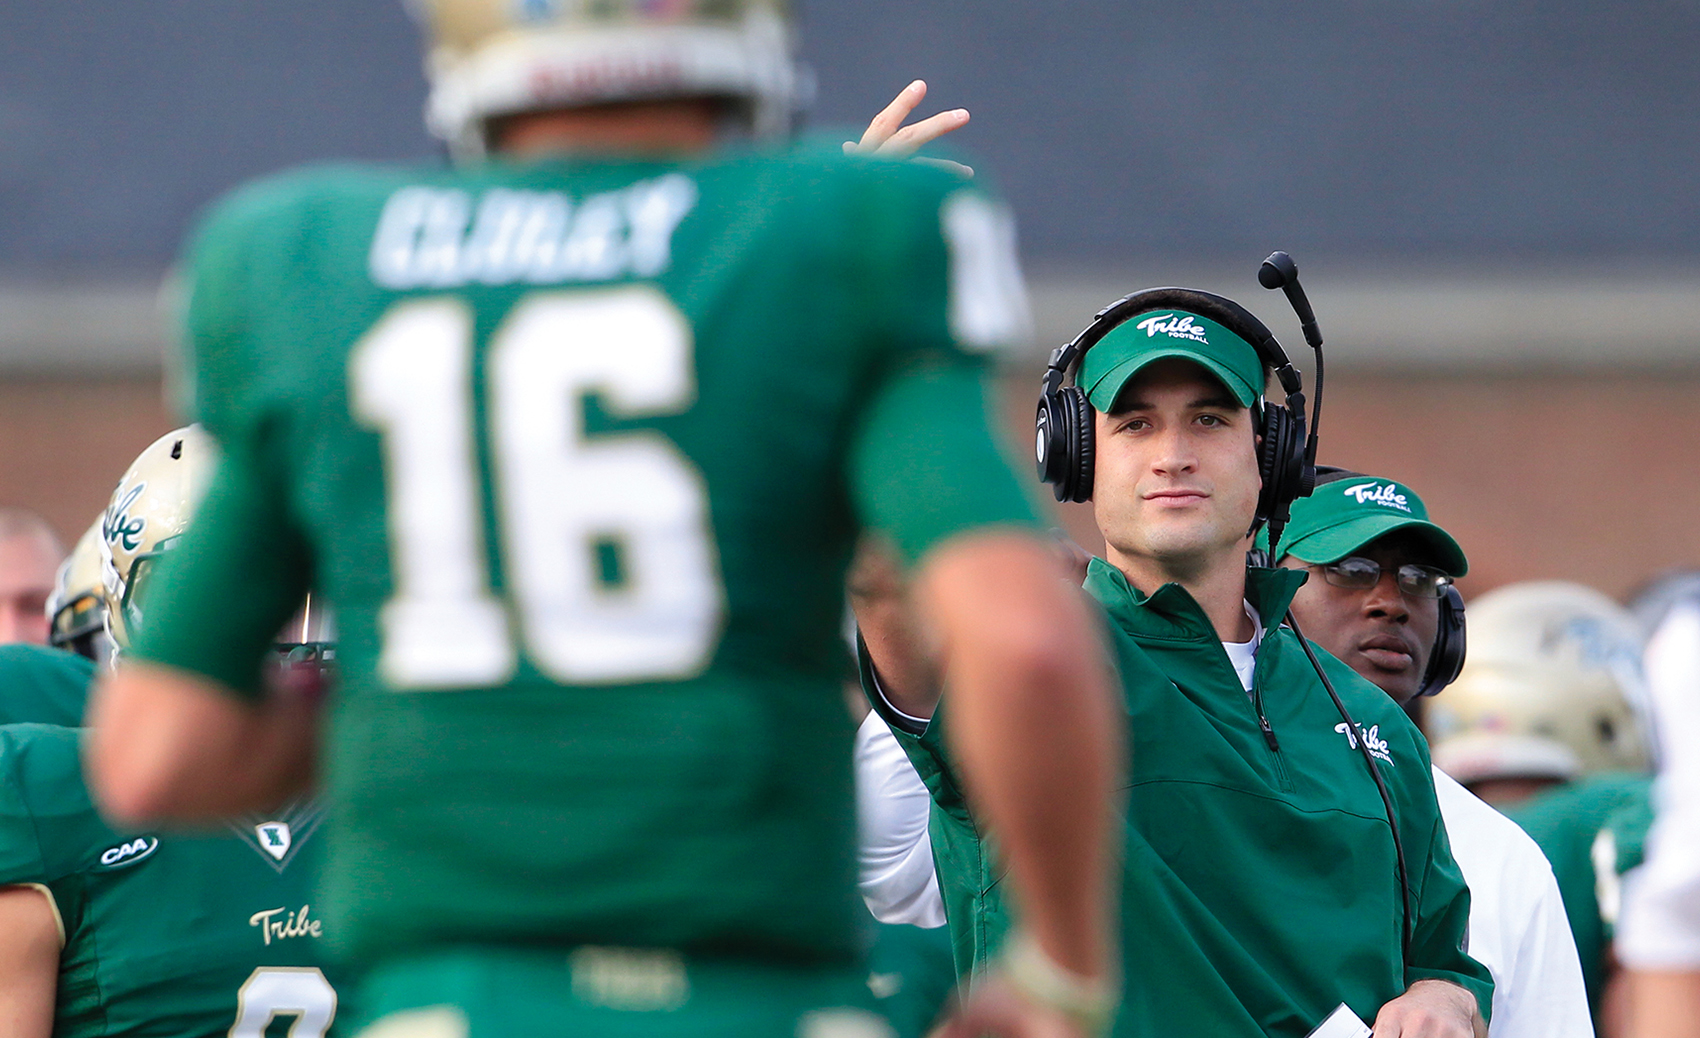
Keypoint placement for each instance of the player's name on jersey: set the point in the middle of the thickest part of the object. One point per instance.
(281, 923)
(446, 238)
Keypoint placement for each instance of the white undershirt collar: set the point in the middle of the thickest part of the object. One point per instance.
(1243, 655)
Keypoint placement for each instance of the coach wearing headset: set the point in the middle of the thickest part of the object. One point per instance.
(1380, 599)
(1262, 885)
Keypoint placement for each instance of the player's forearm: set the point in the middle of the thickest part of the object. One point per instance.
(1663, 1003)
(29, 962)
(1039, 733)
(165, 745)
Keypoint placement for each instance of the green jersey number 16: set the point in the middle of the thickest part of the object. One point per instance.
(564, 501)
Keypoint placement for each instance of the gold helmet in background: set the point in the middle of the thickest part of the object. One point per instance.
(76, 611)
(148, 512)
(1552, 689)
(491, 58)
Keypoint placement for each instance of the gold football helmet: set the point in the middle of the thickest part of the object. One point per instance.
(149, 511)
(76, 611)
(490, 58)
(1552, 688)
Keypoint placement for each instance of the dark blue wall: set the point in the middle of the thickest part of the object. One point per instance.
(1478, 130)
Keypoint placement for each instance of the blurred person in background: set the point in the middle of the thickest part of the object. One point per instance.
(1548, 722)
(1658, 939)
(29, 555)
(117, 933)
(571, 593)
(1379, 598)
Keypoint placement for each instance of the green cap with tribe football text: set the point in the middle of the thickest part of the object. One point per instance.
(1350, 510)
(1156, 334)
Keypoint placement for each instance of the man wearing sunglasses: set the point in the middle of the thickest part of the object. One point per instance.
(1379, 571)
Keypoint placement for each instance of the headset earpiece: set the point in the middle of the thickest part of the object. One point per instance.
(1064, 443)
(1083, 443)
(1446, 662)
(1281, 463)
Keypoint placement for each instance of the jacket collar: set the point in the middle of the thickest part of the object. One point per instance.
(1171, 614)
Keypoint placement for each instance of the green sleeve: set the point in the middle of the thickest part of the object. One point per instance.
(924, 465)
(20, 851)
(242, 568)
(244, 243)
(944, 293)
(967, 865)
(41, 685)
(923, 743)
(1440, 937)
(49, 827)
(224, 592)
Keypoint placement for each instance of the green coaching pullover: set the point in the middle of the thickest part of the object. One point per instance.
(1259, 889)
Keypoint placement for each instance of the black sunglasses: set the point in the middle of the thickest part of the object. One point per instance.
(1359, 573)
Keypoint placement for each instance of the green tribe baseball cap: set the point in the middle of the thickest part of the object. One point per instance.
(1348, 512)
(1129, 347)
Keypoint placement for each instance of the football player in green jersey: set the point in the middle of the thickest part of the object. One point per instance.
(122, 933)
(578, 442)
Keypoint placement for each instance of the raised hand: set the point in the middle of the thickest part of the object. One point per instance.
(886, 134)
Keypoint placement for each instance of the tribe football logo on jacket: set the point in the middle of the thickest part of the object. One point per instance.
(1373, 742)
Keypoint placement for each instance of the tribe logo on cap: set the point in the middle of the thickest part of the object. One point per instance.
(1384, 494)
(1174, 327)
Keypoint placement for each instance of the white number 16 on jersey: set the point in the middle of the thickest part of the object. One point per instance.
(563, 500)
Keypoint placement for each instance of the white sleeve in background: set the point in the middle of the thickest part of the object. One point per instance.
(895, 857)
(1518, 928)
(1659, 928)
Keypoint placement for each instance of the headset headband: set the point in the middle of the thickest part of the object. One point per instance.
(1064, 363)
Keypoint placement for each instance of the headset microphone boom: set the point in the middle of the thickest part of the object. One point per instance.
(1279, 271)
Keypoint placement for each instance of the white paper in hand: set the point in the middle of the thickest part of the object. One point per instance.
(1342, 1023)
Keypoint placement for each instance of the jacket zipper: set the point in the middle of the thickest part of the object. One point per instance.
(1275, 755)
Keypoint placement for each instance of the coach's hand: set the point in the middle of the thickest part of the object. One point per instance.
(887, 135)
(1431, 1009)
(994, 1008)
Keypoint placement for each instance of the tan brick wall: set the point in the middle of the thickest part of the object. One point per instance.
(1594, 478)
(63, 444)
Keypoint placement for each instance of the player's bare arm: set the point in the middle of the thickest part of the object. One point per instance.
(886, 134)
(165, 744)
(1038, 733)
(1663, 1003)
(1431, 1009)
(29, 962)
